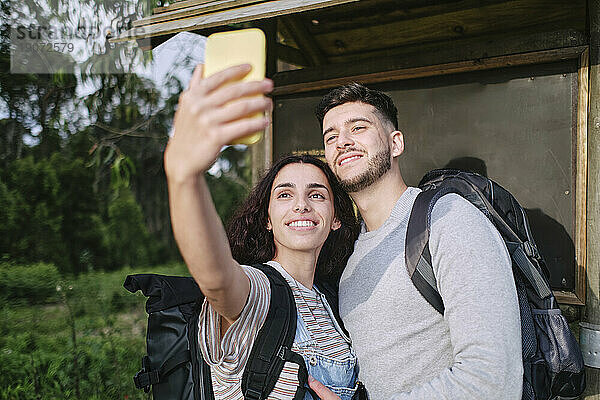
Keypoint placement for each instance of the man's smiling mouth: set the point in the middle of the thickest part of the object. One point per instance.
(349, 159)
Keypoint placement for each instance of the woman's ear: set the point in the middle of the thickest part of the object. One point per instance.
(335, 224)
(269, 226)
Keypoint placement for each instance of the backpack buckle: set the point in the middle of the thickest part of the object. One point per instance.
(531, 250)
(144, 378)
(281, 352)
(252, 394)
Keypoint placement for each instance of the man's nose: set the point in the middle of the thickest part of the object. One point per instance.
(344, 140)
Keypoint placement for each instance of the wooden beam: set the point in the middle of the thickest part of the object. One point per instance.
(439, 53)
(291, 55)
(581, 169)
(262, 152)
(567, 298)
(308, 46)
(184, 12)
(365, 14)
(180, 4)
(469, 48)
(537, 57)
(252, 12)
(504, 17)
(592, 304)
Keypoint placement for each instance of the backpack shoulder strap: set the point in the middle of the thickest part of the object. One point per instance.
(201, 375)
(417, 256)
(272, 346)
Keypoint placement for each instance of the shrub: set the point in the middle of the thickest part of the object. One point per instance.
(33, 213)
(88, 345)
(128, 238)
(32, 284)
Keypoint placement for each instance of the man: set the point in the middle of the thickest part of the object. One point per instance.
(406, 349)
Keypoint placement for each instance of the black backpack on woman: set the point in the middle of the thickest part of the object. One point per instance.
(173, 365)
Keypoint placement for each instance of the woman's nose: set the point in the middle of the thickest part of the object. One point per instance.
(301, 207)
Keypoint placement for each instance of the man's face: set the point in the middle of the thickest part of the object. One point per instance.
(357, 145)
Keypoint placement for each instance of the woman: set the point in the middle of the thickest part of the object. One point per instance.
(297, 219)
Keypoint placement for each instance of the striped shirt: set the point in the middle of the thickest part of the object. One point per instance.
(227, 358)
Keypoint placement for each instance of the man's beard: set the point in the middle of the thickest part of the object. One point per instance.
(376, 168)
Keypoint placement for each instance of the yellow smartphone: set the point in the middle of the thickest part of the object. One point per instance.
(245, 46)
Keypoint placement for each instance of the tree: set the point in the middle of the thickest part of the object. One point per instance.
(35, 217)
(128, 237)
(78, 174)
(35, 104)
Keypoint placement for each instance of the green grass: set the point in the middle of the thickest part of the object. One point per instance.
(83, 342)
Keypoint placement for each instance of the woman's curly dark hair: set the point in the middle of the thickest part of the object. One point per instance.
(252, 243)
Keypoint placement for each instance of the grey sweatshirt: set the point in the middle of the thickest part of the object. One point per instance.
(405, 348)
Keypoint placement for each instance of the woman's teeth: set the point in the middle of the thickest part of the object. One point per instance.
(302, 223)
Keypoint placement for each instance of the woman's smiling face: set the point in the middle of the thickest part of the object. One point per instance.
(301, 211)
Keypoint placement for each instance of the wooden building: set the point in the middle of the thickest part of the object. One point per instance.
(506, 87)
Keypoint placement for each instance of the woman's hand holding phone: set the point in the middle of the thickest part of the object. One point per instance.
(211, 113)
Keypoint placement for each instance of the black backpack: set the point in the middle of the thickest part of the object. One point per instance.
(174, 366)
(552, 360)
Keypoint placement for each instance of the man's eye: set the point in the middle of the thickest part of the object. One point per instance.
(330, 138)
(358, 128)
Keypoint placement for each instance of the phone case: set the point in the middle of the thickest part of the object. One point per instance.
(245, 46)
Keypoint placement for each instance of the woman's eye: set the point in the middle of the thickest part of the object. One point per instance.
(358, 128)
(317, 196)
(283, 195)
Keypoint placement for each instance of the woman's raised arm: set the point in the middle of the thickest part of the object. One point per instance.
(211, 113)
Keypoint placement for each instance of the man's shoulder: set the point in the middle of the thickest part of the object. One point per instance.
(456, 222)
(456, 216)
(453, 205)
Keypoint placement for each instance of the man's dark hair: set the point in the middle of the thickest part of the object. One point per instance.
(252, 243)
(355, 92)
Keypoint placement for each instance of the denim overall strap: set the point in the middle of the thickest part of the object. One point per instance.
(339, 375)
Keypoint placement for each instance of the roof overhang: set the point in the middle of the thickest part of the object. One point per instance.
(201, 14)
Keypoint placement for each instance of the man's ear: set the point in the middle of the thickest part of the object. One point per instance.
(397, 143)
(336, 224)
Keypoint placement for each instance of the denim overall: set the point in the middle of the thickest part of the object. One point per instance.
(339, 376)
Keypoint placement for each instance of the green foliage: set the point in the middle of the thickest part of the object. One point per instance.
(121, 171)
(35, 283)
(128, 238)
(82, 228)
(51, 214)
(8, 216)
(226, 194)
(35, 215)
(86, 345)
(82, 184)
